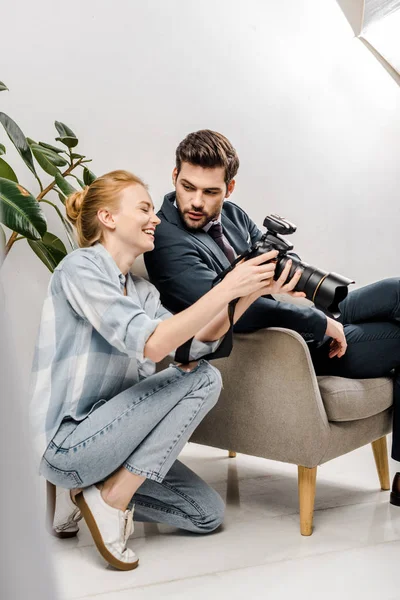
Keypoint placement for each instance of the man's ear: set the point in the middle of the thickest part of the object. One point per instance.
(106, 218)
(230, 188)
(174, 176)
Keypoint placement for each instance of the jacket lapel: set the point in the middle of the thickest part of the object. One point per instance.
(232, 232)
(213, 248)
(234, 235)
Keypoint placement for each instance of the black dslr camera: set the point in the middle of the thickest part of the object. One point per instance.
(325, 289)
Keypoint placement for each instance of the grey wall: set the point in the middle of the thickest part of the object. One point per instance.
(312, 114)
(25, 568)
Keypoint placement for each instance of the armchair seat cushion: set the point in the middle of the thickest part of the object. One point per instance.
(353, 399)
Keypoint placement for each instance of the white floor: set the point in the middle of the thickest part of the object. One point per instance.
(353, 553)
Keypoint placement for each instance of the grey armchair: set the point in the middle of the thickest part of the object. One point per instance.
(273, 406)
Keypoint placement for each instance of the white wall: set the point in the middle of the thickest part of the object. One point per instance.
(313, 115)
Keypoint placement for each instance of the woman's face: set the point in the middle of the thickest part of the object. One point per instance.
(135, 220)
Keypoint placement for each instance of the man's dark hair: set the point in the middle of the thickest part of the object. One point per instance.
(208, 149)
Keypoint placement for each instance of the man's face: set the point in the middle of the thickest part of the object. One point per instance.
(200, 194)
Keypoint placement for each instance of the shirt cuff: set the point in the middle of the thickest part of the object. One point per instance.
(199, 349)
(320, 328)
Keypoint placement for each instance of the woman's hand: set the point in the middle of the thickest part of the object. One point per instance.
(254, 277)
(250, 276)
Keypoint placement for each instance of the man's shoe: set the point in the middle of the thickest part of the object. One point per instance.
(64, 522)
(110, 528)
(395, 493)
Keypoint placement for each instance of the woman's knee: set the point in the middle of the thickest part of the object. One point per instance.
(214, 384)
(213, 511)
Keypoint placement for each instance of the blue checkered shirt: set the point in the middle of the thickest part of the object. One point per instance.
(91, 339)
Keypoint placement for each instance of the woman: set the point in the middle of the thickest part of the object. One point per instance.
(109, 428)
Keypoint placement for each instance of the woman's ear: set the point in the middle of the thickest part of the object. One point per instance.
(106, 218)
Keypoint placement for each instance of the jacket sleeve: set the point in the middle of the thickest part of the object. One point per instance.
(178, 271)
(267, 312)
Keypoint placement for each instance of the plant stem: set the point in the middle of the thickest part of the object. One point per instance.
(51, 185)
(42, 194)
(40, 183)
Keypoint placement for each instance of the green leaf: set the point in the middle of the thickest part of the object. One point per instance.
(3, 87)
(52, 241)
(20, 211)
(68, 141)
(6, 171)
(64, 130)
(2, 149)
(81, 183)
(50, 147)
(67, 136)
(53, 157)
(75, 155)
(88, 176)
(43, 160)
(49, 249)
(19, 140)
(62, 197)
(64, 185)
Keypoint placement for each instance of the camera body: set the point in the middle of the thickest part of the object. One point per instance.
(325, 289)
(271, 240)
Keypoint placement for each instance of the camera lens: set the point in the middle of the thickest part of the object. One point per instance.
(326, 290)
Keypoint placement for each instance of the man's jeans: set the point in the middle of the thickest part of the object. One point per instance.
(144, 429)
(371, 321)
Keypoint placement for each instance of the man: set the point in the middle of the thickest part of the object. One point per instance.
(199, 236)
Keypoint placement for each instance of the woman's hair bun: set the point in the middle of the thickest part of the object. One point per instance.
(73, 205)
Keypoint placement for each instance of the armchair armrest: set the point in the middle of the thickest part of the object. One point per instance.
(268, 375)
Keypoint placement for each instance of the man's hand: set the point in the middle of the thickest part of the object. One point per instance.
(338, 344)
(281, 287)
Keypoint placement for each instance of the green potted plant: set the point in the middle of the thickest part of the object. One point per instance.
(20, 210)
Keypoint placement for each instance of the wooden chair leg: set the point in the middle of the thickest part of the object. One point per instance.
(307, 482)
(231, 454)
(379, 448)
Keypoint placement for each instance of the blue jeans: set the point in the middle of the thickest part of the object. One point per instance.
(371, 320)
(144, 429)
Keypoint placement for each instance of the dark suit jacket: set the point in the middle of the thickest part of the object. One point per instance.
(184, 264)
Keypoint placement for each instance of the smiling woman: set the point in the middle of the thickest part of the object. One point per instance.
(105, 424)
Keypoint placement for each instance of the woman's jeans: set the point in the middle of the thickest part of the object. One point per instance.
(144, 429)
(371, 322)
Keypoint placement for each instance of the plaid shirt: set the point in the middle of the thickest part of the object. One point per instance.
(91, 339)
